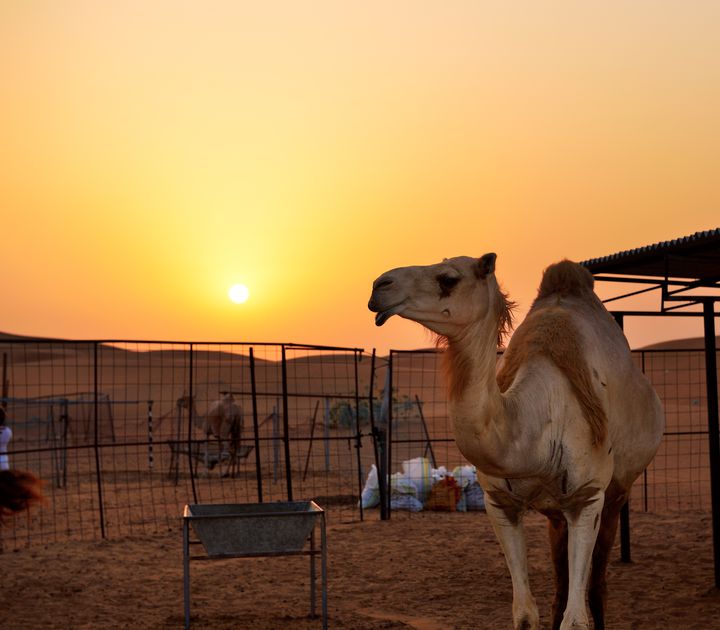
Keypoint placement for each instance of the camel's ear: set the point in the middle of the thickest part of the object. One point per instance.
(486, 265)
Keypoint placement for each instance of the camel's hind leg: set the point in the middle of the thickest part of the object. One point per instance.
(232, 463)
(508, 526)
(234, 449)
(207, 463)
(597, 594)
(220, 459)
(557, 529)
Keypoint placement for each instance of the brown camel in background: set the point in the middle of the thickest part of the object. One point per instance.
(223, 421)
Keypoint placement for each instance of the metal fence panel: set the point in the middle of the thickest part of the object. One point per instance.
(117, 431)
(677, 479)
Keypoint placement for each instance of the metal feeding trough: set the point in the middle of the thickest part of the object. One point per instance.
(253, 529)
(245, 530)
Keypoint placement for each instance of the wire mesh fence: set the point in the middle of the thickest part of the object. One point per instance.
(677, 479)
(121, 432)
(679, 476)
(125, 433)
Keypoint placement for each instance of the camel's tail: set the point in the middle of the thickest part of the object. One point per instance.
(18, 491)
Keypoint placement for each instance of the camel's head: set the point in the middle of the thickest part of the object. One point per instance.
(446, 297)
(185, 401)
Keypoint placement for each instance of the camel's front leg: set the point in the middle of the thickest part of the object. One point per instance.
(207, 453)
(507, 523)
(583, 525)
(220, 456)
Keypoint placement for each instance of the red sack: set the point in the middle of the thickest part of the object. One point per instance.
(444, 495)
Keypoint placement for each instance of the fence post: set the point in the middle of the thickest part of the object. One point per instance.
(191, 408)
(428, 443)
(326, 432)
(625, 510)
(711, 376)
(96, 446)
(256, 427)
(358, 435)
(311, 441)
(645, 473)
(388, 409)
(378, 441)
(150, 434)
(286, 428)
(65, 426)
(5, 382)
(276, 440)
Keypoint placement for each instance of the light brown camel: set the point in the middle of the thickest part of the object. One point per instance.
(223, 421)
(564, 427)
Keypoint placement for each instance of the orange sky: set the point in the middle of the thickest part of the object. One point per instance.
(154, 153)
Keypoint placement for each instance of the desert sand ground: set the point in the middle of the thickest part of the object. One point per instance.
(427, 571)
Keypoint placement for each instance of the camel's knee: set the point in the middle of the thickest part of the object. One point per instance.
(527, 617)
(575, 618)
(525, 611)
(527, 624)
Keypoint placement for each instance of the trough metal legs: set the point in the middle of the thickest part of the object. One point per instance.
(312, 574)
(323, 569)
(313, 570)
(323, 572)
(186, 571)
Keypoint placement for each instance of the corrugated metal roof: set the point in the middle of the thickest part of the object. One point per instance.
(696, 256)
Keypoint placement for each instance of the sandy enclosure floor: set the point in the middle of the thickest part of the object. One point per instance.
(427, 571)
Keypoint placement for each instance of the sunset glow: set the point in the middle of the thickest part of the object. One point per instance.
(158, 147)
(238, 293)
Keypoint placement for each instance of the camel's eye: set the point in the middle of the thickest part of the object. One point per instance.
(447, 284)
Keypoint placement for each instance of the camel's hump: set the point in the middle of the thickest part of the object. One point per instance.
(565, 278)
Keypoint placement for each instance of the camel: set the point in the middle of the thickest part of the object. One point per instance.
(224, 421)
(564, 426)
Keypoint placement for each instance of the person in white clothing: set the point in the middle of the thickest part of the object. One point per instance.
(5, 437)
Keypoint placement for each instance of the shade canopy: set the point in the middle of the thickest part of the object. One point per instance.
(687, 271)
(694, 257)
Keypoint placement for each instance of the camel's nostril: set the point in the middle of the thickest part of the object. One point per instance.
(381, 283)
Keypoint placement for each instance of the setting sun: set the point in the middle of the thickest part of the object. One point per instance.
(263, 155)
(239, 293)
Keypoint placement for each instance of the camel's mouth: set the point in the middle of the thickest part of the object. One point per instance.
(382, 316)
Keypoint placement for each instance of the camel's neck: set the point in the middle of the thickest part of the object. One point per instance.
(470, 365)
(196, 417)
(482, 416)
